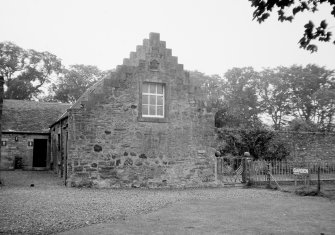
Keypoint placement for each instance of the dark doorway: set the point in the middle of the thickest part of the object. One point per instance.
(40, 153)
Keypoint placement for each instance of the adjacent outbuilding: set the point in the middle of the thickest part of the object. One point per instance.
(25, 141)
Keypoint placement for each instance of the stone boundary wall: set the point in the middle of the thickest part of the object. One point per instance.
(309, 146)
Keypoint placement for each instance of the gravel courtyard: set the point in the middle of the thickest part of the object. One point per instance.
(49, 207)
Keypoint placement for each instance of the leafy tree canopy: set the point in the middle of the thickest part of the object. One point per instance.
(26, 71)
(301, 125)
(234, 96)
(274, 92)
(288, 9)
(242, 96)
(74, 82)
(305, 83)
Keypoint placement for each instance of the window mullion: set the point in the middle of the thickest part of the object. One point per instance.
(154, 106)
(156, 99)
(156, 103)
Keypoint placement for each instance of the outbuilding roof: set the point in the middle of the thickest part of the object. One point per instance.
(30, 116)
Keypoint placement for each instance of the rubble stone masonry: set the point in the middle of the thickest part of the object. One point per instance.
(111, 144)
(16, 145)
(309, 146)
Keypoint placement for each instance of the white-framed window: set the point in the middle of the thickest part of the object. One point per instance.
(153, 100)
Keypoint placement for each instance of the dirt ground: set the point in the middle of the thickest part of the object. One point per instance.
(49, 208)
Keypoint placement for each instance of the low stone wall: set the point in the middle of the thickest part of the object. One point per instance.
(309, 146)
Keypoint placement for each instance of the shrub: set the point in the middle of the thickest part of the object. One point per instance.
(298, 124)
(259, 142)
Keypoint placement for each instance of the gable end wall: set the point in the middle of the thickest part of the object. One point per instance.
(112, 145)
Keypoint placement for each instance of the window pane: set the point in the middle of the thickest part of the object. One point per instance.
(152, 100)
(152, 110)
(159, 88)
(159, 100)
(153, 88)
(160, 110)
(145, 110)
(145, 99)
(145, 88)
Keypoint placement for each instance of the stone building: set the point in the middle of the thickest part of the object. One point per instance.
(145, 125)
(25, 142)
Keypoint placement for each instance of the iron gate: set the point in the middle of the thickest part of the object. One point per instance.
(231, 170)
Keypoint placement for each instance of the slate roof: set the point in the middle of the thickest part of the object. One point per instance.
(30, 116)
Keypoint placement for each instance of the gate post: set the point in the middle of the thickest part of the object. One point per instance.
(246, 156)
(244, 165)
(216, 169)
(269, 175)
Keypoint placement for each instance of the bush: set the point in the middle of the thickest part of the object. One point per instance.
(298, 124)
(259, 142)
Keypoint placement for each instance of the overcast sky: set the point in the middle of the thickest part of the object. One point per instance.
(210, 36)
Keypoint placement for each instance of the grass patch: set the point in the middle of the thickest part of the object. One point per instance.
(308, 192)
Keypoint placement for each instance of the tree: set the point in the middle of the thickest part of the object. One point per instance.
(275, 95)
(234, 96)
(263, 9)
(11, 59)
(74, 82)
(325, 102)
(26, 71)
(240, 95)
(259, 142)
(305, 83)
(212, 87)
(302, 125)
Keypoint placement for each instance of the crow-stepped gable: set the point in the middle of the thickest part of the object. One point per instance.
(145, 125)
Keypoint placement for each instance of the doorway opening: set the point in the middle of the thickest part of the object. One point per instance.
(40, 153)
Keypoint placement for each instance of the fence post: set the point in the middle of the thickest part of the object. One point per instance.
(268, 175)
(249, 171)
(319, 183)
(216, 170)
